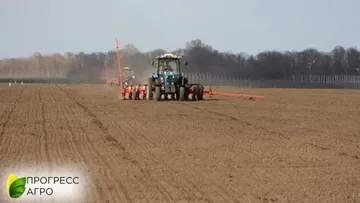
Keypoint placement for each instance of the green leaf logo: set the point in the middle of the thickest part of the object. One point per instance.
(16, 186)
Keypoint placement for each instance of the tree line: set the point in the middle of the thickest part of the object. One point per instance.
(202, 58)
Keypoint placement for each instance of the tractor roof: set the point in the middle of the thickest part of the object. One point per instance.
(169, 56)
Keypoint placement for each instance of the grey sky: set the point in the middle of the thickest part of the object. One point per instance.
(250, 26)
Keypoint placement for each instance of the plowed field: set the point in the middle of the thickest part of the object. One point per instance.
(292, 146)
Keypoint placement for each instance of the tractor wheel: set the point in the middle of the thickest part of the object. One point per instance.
(200, 94)
(182, 94)
(177, 94)
(134, 95)
(148, 93)
(157, 93)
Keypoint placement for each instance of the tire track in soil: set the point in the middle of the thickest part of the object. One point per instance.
(193, 185)
(77, 146)
(44, 140)
(25, 141)
(233, 119)
(62, 108)
(160, 188)
(119, 146)
(38, 127)
(5, 140)
(94, 153)
(126, 132)
(58, 111)
(6, 99)
(14, 158)
(130, 128)
(316, 146)
(4, 94)
(218, 189)
(238, 120)
(223, 193)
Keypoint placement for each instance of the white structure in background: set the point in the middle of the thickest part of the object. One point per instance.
(9, 83)
(22, 82)
(15, 82)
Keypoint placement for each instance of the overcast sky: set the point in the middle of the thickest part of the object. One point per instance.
(250, 26)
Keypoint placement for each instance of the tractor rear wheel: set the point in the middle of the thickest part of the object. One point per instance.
(157, 93)
(177, 94)
(182, 94)
(148, 93)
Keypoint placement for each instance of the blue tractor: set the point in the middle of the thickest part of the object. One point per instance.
(168, 80)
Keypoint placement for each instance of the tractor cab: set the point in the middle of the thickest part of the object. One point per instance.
(128, 75)
(168, 65)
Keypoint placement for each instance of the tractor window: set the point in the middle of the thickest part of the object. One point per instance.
(127, 73)
(172, 66)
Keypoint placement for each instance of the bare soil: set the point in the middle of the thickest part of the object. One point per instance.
(293, 146)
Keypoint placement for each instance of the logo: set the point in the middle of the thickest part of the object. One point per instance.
(16, 186)
(39, 186)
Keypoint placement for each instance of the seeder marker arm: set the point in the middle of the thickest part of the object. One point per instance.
(210, 92)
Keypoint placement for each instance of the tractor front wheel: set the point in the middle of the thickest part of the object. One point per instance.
(182, 93)
(157, 93)
(177, 94)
